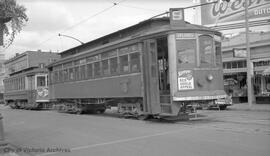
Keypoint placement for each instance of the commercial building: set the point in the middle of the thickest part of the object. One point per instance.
(235, 66)
(29, 59)
(229, 18)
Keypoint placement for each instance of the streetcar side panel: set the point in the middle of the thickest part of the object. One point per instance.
(114, 87)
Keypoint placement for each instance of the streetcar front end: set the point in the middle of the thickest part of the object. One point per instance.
(196, 74)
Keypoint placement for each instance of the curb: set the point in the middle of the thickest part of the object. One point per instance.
(254, 107)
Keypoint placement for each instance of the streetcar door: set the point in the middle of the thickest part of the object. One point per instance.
(151, 79)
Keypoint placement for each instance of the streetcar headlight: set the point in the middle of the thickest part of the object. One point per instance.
(210, 77)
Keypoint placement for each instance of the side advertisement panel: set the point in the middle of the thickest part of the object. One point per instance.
(42, 94)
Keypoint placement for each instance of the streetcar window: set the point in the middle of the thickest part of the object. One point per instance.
(93, 58)
(71, 74)
(218, 53)
(65, 75)
(15, 84)
(41, 81)
(19, 84)
(60, 76)
(97, 70)
(76, 73)
(83, 72)
(186, 50)
(135, 62)
(23, 83)
(66, 65)
(108, 54)
(82, 61)
(55, 78)
(105, 67)
(134, 47)
(89, 71)
(123, 51)
(113, 65)
(124, 64)
(77, 62)
(206, 50)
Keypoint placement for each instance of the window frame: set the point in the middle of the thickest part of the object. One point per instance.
(36, 82)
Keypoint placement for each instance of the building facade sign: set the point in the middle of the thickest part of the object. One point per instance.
(239, 52)
(233, 11)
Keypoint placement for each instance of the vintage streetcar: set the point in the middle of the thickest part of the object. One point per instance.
(26, 86)
(161, 67)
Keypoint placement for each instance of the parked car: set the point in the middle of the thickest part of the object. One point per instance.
(222, 103)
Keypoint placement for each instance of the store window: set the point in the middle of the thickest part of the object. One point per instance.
(267, 82)
(234, 64)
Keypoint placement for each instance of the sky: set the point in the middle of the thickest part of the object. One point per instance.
(85, 20)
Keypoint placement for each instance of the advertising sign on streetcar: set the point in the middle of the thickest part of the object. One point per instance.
(185, 80)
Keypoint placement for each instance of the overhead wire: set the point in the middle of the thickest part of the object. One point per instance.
(136, 7)
(82, 21)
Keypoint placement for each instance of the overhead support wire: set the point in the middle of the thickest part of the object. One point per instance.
(82, 21)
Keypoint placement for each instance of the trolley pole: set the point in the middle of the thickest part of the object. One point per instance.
(71, 38)
(249, 63)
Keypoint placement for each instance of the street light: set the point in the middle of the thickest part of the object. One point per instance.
(72, 38)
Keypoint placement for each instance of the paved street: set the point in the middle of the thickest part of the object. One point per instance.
(48, 133)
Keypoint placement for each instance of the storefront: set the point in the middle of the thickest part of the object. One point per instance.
(262, 83)
(235, 67)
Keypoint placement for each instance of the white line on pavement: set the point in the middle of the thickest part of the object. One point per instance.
(114, 142)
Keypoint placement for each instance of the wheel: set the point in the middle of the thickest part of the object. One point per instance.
(100, 111)
(143, 117)
(222, 107)
(79, 111)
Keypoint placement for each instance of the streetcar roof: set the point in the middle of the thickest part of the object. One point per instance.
(132, 30)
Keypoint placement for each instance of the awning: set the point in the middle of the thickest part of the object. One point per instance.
(266, 71)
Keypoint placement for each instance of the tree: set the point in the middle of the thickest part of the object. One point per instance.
(12, 19)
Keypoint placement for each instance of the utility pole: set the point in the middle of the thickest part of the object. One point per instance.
(249, 63)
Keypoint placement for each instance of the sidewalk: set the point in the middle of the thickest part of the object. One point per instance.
(246, 107)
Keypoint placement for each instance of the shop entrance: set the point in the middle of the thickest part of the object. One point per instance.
(236, 85)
